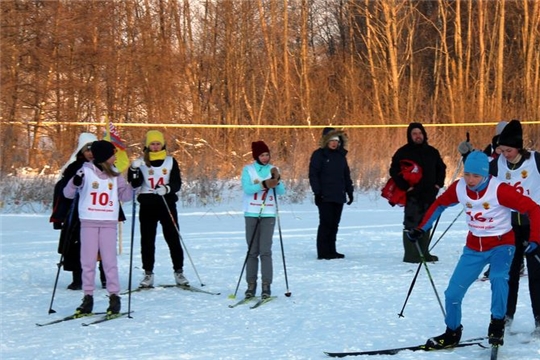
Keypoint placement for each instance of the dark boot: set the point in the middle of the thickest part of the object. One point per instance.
(76, 284)
(449, 339)
(86, 306)
(250, 292)
(114, 304)
(496, 332)
(266, 291)
(411, 253)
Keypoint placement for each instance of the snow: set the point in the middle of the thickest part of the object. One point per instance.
(337, 305)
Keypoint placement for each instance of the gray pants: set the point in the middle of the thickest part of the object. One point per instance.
(260, 231)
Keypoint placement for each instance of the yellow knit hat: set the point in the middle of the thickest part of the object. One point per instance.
(154, 135)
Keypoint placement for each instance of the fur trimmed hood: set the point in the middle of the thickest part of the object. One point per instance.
(329, 133)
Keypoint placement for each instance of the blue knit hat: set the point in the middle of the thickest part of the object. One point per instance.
(477, 163)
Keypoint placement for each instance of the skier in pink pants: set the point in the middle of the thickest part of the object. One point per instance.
(101, 189)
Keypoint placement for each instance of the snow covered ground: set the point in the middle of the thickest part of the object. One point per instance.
(337, 305)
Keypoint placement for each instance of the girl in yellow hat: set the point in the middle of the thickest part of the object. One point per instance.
(158, 174)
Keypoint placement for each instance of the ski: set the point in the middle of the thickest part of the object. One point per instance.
(262, 302)
(189, 288)
(106, 318)
(242, 302)
(183, 287)
(70, 317)
(136, 290)
(394, 351)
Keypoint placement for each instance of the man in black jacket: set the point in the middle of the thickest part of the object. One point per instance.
(423, 194)
(330, 180)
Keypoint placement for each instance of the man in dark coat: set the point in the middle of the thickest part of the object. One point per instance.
(423, 194)
(330, 180)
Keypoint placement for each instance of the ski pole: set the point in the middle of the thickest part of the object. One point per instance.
(250, 245)
(430, 277)
(413, 282)
(288, 293)
(460, 164)
(65, 248)
(445, 231)
(182, 240)
(134, 206)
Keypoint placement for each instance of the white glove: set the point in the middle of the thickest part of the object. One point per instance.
(162, 190)
(135, 164)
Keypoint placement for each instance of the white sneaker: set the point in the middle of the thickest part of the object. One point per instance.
(180, 279)
(147, 281)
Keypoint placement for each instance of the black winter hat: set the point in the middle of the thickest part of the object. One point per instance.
(102, 151)
(512, 135)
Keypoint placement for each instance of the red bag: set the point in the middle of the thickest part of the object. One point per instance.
(393, 194)
(412, 173)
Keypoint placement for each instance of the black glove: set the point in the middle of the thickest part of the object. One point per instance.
(414, 234)
(134, 177)
(77, 179)
(318, 199)
(351, 198)
(57, 225)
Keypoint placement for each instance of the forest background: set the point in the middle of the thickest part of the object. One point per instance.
(215, 75)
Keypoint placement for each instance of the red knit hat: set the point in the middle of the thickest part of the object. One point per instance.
(257, 148)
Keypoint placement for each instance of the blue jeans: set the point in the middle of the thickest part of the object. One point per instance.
(470, 265)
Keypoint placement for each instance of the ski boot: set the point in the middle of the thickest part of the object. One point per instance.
(449, 339)
(148, 280)
(180, 279)
(266, 291)
(86, 306)
(496, 332)
(250, 292)
(114, 304)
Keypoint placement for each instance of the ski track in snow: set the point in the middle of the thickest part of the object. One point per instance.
(337, 305)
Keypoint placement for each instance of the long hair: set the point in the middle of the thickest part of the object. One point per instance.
(109, 169)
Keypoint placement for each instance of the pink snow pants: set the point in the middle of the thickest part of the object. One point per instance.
(102, 239)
